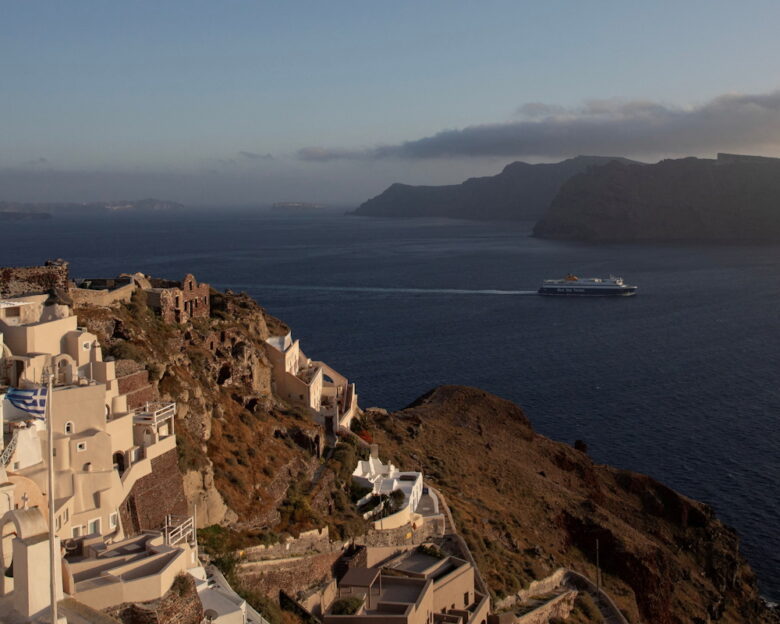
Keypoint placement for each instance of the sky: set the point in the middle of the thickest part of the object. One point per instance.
(248, 102)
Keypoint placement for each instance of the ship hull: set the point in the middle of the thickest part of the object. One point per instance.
(568, 291)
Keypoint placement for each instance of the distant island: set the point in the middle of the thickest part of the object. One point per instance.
(28, 210)
(729, 199)
(520, 192)
(18, 215)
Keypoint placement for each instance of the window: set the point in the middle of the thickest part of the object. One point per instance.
(81, 446)
(69, 428)
(113, 520)
(466, 599)
(86, 346)
(94, 527)
(76, 531)
(58, 523)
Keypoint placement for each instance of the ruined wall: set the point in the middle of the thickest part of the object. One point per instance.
(291, 575)
(195, 300)
(180, 605)
(155, 496)
(19, 281)
(179, 302)
(308, 542)
(103, 297)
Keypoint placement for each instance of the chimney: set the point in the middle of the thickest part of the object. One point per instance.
(374, 452)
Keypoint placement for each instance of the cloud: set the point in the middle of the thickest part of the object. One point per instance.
(36, 162)
(255, 156)
(608, 127)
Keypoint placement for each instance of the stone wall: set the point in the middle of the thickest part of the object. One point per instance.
(20, 281)
(137, 388)
(559, 607)
(308, 542)
(180, 605)
(405, 535)
(102, 297)
(291, 575)
(178, 302)
(155, 496)
(535, 588)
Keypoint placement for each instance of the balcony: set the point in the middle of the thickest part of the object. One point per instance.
(154, 414)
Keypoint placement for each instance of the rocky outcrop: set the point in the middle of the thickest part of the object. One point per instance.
(527, 505)
(520, 191)
(237, 467)
(731, 199)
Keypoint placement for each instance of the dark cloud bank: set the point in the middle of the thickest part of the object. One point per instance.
(728, 122)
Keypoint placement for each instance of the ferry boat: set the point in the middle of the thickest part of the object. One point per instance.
(590, 286)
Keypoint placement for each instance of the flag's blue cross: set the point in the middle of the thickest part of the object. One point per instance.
(30, 401)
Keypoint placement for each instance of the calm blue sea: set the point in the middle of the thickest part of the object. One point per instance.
(679, 382)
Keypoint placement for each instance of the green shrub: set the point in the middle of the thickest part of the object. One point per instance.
(431, 551)
(347, 606)
(357, 491)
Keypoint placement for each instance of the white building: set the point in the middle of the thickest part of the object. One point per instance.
(384, 479)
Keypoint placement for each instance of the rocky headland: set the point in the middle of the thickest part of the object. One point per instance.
(527, 505)
(730, 199)
(520, 192)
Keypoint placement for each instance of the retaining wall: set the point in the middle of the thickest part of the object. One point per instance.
(560, 607)
(308, 542)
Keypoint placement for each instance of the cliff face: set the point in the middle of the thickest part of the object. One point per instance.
(527, 505)
(240, 449)
(520, 191)
(690, 199)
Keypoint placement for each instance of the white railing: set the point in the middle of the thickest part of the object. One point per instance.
(9, 450)
(154, 413)
(177, 533)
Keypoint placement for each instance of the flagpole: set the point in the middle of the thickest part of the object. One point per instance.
(52, 500)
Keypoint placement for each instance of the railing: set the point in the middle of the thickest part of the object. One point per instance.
(9, 450)
(177, 533)
(154, 413)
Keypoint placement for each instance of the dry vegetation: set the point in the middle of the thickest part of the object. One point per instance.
(527, 505)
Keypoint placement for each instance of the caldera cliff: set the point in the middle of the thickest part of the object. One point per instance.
(520, 191)
(731, 199)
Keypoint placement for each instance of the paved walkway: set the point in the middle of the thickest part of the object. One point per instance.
(609, 610)
(451, 530)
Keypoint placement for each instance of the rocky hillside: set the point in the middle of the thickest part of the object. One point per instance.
(731, 199)
(520, 191)
(527, 505)
(247, 458)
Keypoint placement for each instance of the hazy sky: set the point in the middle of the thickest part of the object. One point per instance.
(224, 102)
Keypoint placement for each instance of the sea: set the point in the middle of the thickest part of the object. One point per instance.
(681, 382)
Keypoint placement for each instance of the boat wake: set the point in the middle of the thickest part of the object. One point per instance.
(377, 289)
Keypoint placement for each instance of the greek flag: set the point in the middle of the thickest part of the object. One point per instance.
(30, 401)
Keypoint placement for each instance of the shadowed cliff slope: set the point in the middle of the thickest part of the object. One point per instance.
(247, 457)
(731, 199)
(527, 505)
(520, 191)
